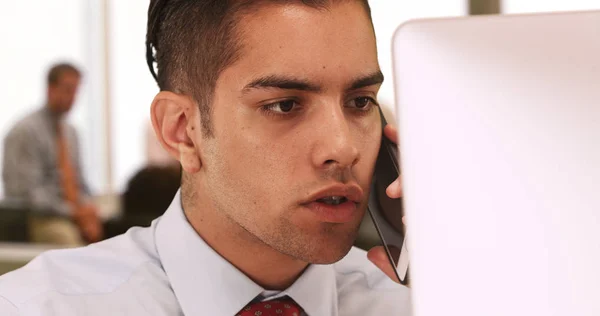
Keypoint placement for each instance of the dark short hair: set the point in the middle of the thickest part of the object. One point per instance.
(57, 71)
(193, 41)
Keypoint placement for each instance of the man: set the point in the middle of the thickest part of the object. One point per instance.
(270, 108)
(41, 167)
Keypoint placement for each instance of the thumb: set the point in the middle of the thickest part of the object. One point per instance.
(378, 257)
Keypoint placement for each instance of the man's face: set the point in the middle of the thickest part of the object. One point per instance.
(295, 121)
(61, 95)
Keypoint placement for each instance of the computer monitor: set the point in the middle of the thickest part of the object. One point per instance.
(499, 123)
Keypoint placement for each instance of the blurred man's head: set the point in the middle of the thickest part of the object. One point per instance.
(63, 82)
(272, 113)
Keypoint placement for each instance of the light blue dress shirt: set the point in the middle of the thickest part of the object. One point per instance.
(167, 269)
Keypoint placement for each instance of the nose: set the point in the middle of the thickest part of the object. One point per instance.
(336, 144)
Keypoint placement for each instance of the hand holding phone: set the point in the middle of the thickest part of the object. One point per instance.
(386, 212)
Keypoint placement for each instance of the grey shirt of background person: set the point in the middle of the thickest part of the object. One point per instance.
(30, 173)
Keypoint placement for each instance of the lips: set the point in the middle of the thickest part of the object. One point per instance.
(352, 193)
(335, 204)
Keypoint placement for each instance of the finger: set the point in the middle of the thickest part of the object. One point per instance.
(391, 133)
(394, 190)
(94, 234)
(378, 256)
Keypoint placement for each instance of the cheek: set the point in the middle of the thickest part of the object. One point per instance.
(248, 164)
(368, 146)
(264, 149)
(258, 166)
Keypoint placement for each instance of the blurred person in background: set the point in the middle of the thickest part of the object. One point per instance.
(41, 168)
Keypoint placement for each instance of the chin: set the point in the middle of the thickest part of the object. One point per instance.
(330, 256)
(327, 249)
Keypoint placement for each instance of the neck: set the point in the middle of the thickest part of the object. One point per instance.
(55, 114)
(266, 266)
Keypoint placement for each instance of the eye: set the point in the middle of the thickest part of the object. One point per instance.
(281, 107)
(362, 103)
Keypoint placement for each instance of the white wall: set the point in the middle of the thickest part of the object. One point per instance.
(529, 6)
(132, 87)
(35, 34)
(389, 14)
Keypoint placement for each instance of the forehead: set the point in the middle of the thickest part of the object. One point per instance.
(329, 43)
(68, 77)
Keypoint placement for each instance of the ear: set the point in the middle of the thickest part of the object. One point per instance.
(175, 118)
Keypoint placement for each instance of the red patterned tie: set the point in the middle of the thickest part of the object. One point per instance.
(284, 307)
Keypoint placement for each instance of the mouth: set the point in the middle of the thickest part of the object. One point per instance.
(333, 200)
(336, 204)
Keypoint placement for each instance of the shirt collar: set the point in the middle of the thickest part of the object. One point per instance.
(316, 291)
(207, 284)
(53, 119)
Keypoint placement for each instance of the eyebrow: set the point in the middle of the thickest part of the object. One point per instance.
(366, 81)
(282, 82)
(291, 83)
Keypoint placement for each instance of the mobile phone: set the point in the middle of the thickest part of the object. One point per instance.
(385, 212)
